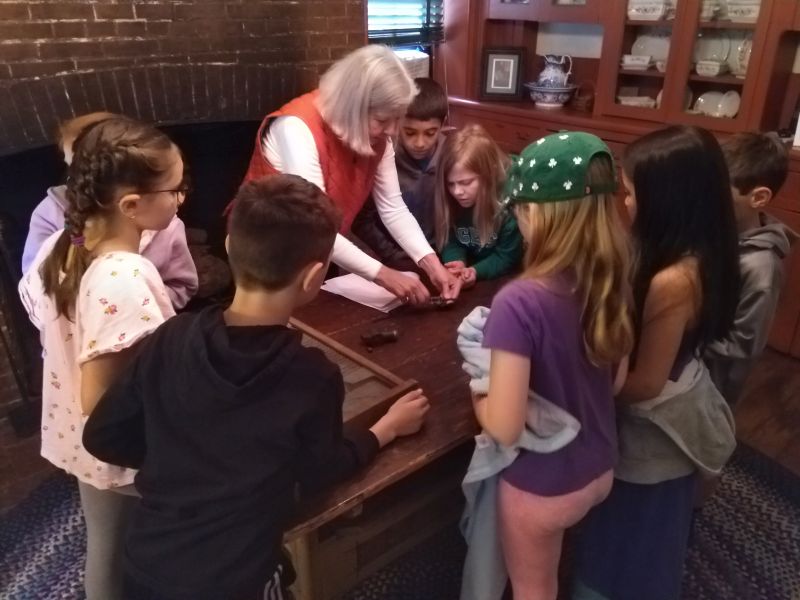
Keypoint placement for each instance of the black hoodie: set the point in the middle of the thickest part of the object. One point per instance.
(221, 422)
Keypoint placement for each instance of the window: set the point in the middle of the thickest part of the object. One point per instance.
(405, 22)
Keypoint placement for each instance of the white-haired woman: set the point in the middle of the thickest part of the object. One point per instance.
(338, 137)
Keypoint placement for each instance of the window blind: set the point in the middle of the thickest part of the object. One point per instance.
(404, 22)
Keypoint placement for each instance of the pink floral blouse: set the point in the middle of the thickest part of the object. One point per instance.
(121, 300)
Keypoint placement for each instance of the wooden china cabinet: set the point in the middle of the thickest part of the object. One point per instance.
(759, 56)
(680, 42)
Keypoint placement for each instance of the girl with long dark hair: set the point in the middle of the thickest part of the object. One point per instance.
(672, 422)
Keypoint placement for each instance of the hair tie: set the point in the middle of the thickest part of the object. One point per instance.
(77, 240)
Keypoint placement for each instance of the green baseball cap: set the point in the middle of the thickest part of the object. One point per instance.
(554, 168)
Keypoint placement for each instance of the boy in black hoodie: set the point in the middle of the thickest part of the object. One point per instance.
(224, 411)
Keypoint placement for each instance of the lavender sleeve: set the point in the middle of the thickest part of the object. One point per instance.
(47, 218)
(169, 253)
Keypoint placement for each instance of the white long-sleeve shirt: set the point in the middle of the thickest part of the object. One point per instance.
(289, 147)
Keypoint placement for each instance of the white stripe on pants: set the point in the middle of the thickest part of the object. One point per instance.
(274, 590)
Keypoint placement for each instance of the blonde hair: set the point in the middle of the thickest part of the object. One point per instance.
(473, 149)
(68, 131)
(370, 79)
(585, 237)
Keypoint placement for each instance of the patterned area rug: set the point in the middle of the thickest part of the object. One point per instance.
(745, 545)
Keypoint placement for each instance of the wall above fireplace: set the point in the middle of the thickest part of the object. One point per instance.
(180, 61)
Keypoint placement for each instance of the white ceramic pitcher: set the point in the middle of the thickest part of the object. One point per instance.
(553, 74)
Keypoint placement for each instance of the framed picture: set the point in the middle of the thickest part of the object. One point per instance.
(502, 73)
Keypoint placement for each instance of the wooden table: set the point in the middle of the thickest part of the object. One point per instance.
(414, 476)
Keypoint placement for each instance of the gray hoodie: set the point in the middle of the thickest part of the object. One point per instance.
(761, 254)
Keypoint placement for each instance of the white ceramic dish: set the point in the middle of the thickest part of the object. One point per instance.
(712, 45)
(639, 101)
(651, 10)
(744, 12)
(709, 9)
(729, 104)
(708, 104)
(687, 102)
(549, 97)
(711, 68)
(654, 45)
(636, 60)
(648, 10)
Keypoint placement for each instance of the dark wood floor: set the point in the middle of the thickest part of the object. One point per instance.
(768, 414)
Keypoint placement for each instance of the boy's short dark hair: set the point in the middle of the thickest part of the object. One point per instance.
(278, 225)
(756, 159)
(429, 103)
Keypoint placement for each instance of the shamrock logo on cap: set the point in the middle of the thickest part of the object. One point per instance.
(566, 158)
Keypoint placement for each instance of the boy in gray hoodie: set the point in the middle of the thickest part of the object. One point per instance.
(758, 165)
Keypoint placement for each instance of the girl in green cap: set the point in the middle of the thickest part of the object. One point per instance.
(557, 330)
(673, 424)
(478, 240)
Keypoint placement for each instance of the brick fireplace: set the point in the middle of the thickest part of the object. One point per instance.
(207, 70)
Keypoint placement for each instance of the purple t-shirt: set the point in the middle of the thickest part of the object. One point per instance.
(541, 320)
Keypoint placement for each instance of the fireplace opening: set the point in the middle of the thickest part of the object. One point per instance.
(217, 155)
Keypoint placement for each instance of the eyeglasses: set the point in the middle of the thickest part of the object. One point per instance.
(184, 190)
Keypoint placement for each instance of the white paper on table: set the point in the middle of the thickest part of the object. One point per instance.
(358, 289)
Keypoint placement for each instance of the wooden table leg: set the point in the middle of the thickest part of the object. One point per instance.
(302, 550)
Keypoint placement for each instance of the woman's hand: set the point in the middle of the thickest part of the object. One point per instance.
(455, 266)
(408, 289)
(404, 417)
(445, 281)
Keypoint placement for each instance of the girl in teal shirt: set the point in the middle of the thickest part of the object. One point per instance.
(476, 237)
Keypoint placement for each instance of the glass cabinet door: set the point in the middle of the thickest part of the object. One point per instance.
(640, 56)
(716, 73)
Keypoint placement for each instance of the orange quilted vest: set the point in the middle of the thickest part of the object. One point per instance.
(348, 176)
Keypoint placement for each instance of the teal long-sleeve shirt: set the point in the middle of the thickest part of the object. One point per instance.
(497, 258)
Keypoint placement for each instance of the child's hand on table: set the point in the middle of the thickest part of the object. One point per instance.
(468, 276)
(404, 417)
(455, 267)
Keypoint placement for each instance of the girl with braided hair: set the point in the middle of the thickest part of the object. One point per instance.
(94, 297)
(167, 249)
